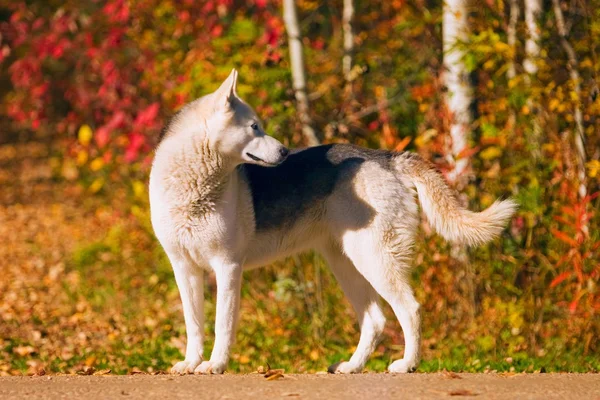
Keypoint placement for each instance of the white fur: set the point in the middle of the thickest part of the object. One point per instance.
(203, 216)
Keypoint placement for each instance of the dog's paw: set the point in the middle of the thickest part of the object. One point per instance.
(344, 367)
(402, 366)
(185, 366)
(210, 367)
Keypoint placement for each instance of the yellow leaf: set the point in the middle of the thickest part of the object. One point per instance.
(525, 110)
(90, 361)
(501, 47)
(314, 355)
(139, 189)
(593, 168)
(573, 95)
(425, 137)
(491, 153)
(96, 185)
(549, 147)
(244, 359)
(586, 63)
(85, 135)
(96, 164)
(554, 103)
(82, 157)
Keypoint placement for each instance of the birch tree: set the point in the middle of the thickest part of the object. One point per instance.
(459, 95)
(347, 16)
(533, 10)
(458, 100)
(290, 17)
(511, 73)
(574, 75)
(512, 35)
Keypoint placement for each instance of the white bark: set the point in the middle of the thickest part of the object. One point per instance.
(512, 35)
(290, 18)
(347, 16)
(574, 75)
(511, 32)
(533, 9)
(459, 96)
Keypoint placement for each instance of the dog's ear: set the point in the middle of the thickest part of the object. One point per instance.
(226, 93)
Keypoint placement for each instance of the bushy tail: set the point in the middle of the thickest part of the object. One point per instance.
(443, 210)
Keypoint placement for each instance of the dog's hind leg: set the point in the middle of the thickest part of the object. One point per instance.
(388, 272)
(190, 282)
(365, 301)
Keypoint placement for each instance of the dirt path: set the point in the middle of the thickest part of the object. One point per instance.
(365, 386)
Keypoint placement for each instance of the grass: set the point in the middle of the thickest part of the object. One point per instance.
(119, 309)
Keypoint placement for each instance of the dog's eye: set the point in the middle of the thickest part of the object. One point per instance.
(254, 126)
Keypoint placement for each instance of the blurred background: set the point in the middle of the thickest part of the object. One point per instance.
(501, 94)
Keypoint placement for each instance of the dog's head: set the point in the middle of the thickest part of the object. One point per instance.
(235, 130)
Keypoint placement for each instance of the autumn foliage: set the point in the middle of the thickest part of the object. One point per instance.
(95, 81)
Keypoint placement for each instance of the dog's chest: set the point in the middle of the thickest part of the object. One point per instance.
(211, 226)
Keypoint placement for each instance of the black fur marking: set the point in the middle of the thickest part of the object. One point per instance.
(301, 184)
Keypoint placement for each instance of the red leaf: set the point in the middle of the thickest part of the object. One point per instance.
(116, 120)
(468, 152)
(136, 141)
(573, 304)
(146, 116)
(564, 237)
(403, 143)
(102, 136)
(564, 221)
(560, 278)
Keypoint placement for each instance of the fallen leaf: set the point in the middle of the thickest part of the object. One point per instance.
(275, 376)
(86, 371)
(136, 371)
(272, 372)
(24, 350)
(462, 392)
(103, 372)
(451, 375)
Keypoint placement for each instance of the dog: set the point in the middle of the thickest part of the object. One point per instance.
(225, 197)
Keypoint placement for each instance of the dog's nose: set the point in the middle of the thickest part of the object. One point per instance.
(284, 151)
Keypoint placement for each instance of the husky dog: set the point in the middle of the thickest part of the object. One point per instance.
(226, 197)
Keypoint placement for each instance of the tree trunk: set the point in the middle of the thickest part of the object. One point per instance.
(458, 100)
(347, 16)
(512, 35)
(290, 18)
(533, 9)
(574, 74)
(459, 96)
(511, 73)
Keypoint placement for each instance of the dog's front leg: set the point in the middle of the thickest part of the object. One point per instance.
(229, 280)
(190, 281)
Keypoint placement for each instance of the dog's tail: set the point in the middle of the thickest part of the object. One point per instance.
(443, 210)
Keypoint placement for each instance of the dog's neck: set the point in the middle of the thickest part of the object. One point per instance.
(192, 172)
